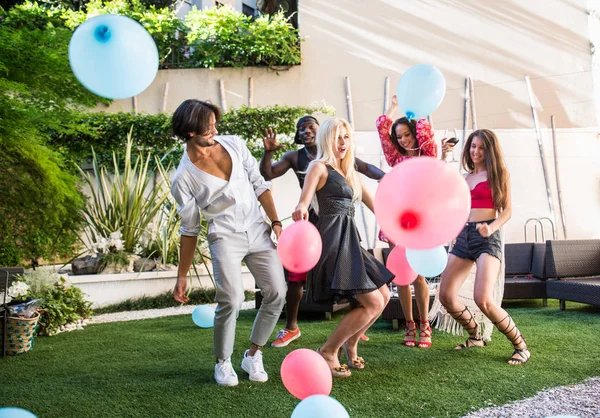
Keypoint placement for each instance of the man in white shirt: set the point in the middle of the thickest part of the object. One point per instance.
(219, 176)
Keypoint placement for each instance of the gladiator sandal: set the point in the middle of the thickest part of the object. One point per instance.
(521, 354)
(468, 323)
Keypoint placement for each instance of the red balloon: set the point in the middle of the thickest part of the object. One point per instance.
(422, 203)
(305, 372)
(398, 264)
(299, 247)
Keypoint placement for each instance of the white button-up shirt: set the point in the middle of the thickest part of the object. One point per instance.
(228, 206)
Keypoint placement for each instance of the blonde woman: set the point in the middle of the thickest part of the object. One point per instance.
(480, 243)
(345, 270)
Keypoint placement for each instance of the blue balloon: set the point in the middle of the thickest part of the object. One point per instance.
(204, 316)
(113, 56)
(320, 406)
(428, 263)
(420, 90)
(15, 413)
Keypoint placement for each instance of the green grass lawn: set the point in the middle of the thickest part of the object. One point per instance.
(164, 367)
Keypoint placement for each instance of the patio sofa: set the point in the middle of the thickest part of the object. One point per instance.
(573, 267)
(525, 278)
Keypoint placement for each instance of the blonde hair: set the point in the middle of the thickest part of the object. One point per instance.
(326, 142)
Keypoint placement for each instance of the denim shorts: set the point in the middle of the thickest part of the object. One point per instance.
(470, 244)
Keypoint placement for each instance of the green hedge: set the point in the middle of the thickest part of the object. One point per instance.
(107, 132)
(217, 37)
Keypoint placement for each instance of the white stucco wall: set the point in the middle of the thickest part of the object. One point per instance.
(498, 43)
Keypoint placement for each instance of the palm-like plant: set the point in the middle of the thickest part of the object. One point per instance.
(127, 202)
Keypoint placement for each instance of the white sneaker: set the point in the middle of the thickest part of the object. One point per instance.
(253, 365)
(224, 373)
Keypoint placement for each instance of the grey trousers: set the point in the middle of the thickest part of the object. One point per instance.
(228, 250)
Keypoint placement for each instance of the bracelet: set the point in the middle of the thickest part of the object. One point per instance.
(275, 223)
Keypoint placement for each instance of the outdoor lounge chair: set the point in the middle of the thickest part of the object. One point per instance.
(575, 264)
(525, 271)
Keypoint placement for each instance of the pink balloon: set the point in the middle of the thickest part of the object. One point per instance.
(299, 247)
(304, 373)
(422, 203)
(398, 264)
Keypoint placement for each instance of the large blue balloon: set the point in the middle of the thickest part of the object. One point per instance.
(204, 316)
(15, 413)
(320, 406)
(113, 56)
(428, 263)
(420, 90)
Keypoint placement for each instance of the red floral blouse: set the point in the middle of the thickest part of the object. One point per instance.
(427, 145)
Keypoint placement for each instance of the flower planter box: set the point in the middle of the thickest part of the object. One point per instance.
(108, 289)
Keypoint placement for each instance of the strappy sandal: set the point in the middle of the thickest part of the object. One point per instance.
(471, 343)
(524, 355)
(355, 363)
(516, 340)
(424, 333)
(471, 326)
(339, 372)
(410, 334)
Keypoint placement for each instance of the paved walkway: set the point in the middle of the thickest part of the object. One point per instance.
(153, 313)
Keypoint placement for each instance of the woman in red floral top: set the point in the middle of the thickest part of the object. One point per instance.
(410, 139)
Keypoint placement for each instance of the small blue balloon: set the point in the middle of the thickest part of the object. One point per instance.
(204, 316)
(320, 406)
(15, 413)
(428, 263)
(420, 90)
(113, 56)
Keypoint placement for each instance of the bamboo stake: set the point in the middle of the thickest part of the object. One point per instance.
(558, 188)
(165, 96)
(386, 100)
(542, 154)
(472, 97)
(466, 109)
(135, 104)
(351, 122)
(250, 92)
(349, 102)
(222, 95)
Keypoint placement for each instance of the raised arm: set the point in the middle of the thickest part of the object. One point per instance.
(314, 180)
(391, 153)
(425, 138)
(368, 170)
(268, 169)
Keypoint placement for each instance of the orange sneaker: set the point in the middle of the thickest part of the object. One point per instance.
(364, 337)
(286, 336)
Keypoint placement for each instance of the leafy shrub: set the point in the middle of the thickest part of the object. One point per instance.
(222, 37)
(123, 202)
(41, 204)
(106, 132)
(217, 37)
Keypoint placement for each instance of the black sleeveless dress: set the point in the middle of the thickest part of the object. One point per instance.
(345, 267)
(304, 159)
